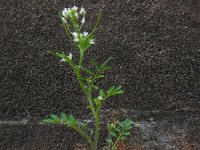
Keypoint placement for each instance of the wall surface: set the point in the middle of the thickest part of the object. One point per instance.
(155, 45)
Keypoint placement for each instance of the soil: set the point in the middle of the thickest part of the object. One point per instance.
(155, 45)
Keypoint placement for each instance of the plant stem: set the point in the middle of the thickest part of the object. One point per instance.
(117, 140)
(80, 82)
(96, 115)
(96, 130)
(89, 140)
(78, 75)
(88, 94)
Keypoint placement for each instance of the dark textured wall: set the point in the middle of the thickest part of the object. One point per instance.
(155, 45)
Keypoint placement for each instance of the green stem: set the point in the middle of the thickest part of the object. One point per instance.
(95, 112)
(88, 94)
(89, 140)
(96, 130)
(80, 82)
(96, 139)
(78, 75)
(117, 140)
(90, 100)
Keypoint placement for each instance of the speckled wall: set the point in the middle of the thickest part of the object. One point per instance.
(155, 46)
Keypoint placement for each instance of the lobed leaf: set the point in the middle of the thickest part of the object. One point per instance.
(109, 141)
(101, 93)
(99, 76)
(63, 117)
(55, 117)
(95, 87)
(49, 121)
(113, 134)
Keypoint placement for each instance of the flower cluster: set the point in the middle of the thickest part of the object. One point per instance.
(72, 17)
(73, 12)
(81, 37)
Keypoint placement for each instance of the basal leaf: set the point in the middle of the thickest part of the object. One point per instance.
(49, 121)
(63, 117)
(55, 117)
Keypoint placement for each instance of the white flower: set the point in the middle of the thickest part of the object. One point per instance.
(75, 34)
(66, 12)
(82, 11)
(76, 39)
(91, 41)
(83, 20)
(63, 60)
(76, 15)
(75, 8)
(100, 97)
(85, 33)
(64, 20)
(70, 56)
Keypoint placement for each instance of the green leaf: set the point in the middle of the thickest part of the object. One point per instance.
(109, 141)
(52, 53)
(65, 26)
(110, 89)
(99, 76)
(49, 121)
(118, 88)
(113, 134)
(101, 93)
(122, 137)
(87, 70)
(103, 67)
(121, 124)
(114, 90)
(71, 118)
(83, 125)
(96, 25)
(128, 123)
(55, 54)
(72, 121)
(97, 101)
(95, 87)
(94, 62)
(55, 117)
(63, 117)
(58, 55)
(91, 132)
(89, 107)
(117, 129)
(128, 128)
(118, 92)
(126, 134)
